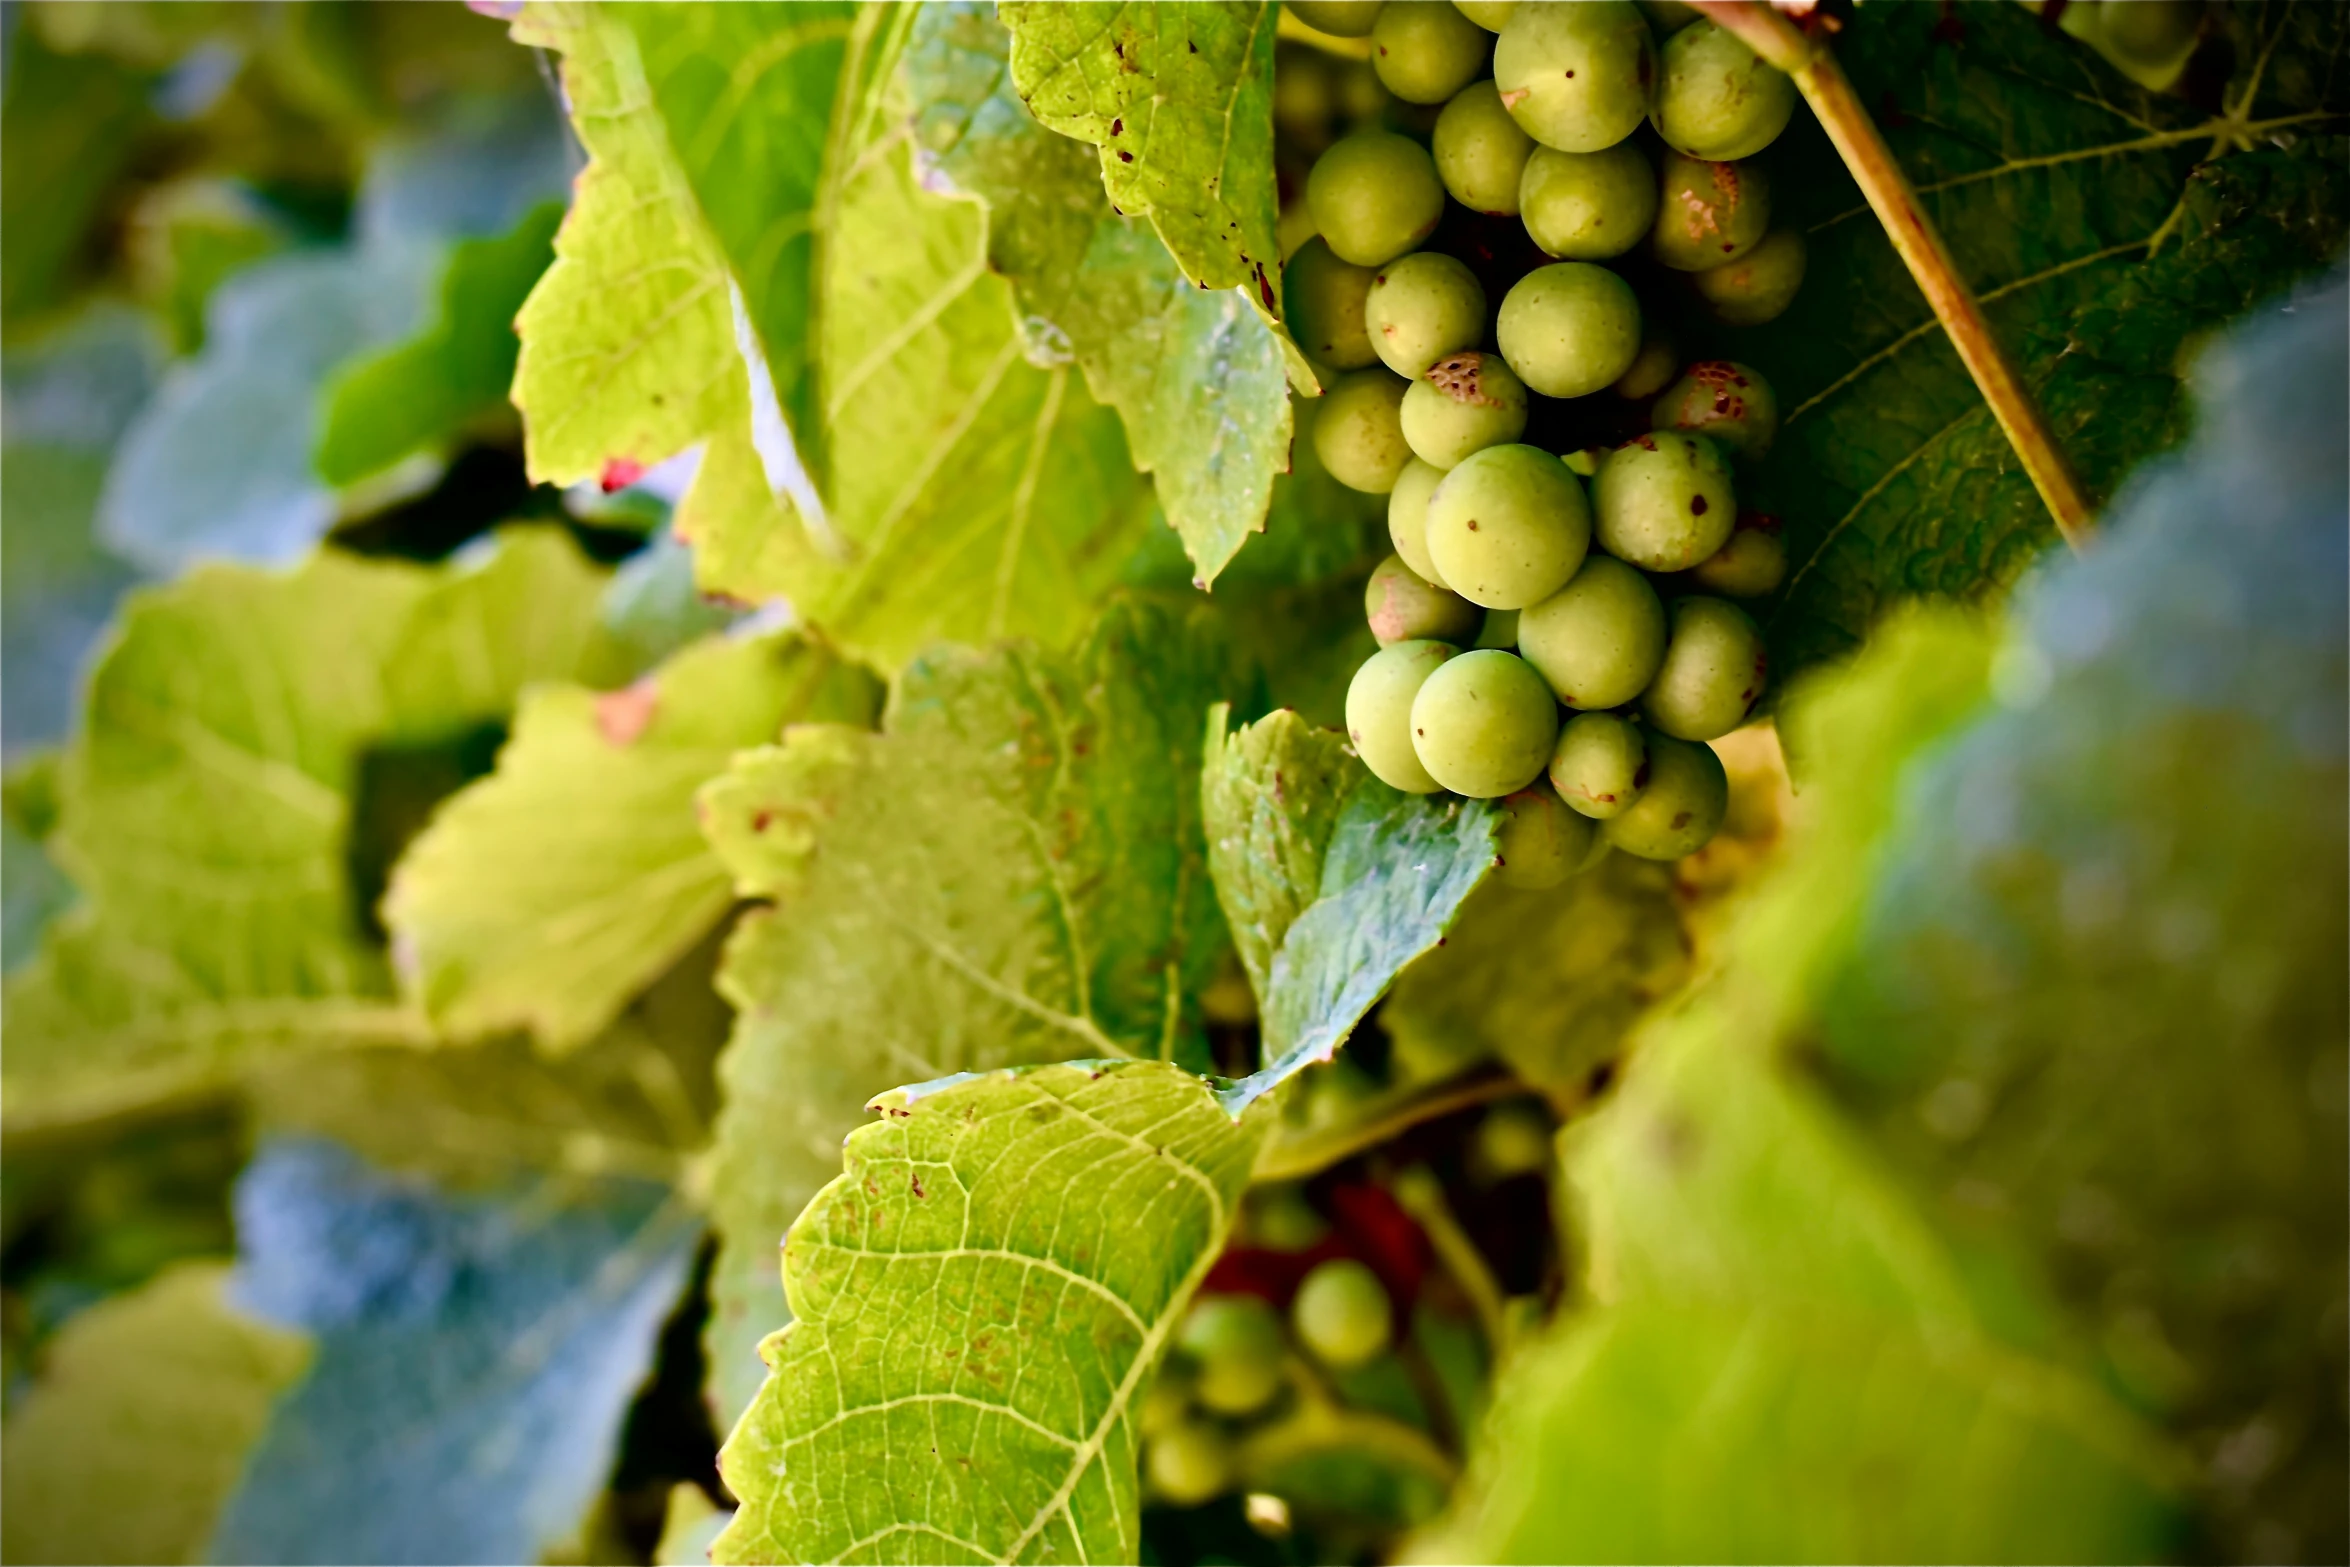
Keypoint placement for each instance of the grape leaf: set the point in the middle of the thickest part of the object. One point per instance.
(69, 127)
(1179, 98)
(1101, 288)
(2103, 237)
(208, 804)
(1331, 880)
(474, 1356)
(1011, 871)
(978, 1299)
(546, 895)
(133, 1437)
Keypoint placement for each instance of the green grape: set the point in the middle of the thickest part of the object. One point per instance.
(1512, 1140)
(1716, 100)
(1599, 639)
(1325, 297)
(1338, 18)
(1709, 213)
(1600, 765)
(1379, 712)
(1305, 94)
(1542, 843)
(1651, 372)
(1758, 286)
(1464, 404)
(1169, 1398)
(1484, 724)
(1588, 206)
(1713, 670)
(1500, 629)
(1361, 100)
(1374, 196)
(1577, 77)
(1682, 807)
(1599, 851)
(1669, 16)
(1751, 564)
(1189, 1464)
(1236, 1342)
(1663, 501)
(1403, 606)
(1492, 15)
(1280, 1219)
(1480, 151)
(1407, 516)
(1508, 527)
(1569, 328)
(1420, 308)
(1730, 404)
(1358, 431)
(1341, 1314)
(1425, 50)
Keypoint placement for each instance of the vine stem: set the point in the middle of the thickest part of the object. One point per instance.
(1828, 90)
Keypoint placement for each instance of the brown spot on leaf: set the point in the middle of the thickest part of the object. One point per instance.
(619, 473)
(623, 715)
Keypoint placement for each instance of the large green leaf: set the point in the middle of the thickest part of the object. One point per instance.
(549, 893)
(1011, 871)
(69, 126)
(207, 809)
(1332, 881)
(978, 1299)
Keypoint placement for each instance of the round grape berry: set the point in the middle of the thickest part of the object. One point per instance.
(1508, 526)
(1663, 501)
(1542, 843)
(1480, 151)
(1570, 328)
(1341, 1314)
(1669, 16)
(1358, 431)
(1465, 403)
(1713, 670)
(1338, 18)
(1500, 629)
(1281, 1219)
(1752, 564)
(1588, 206)
(1728, 403)
(1758, 286)
(1422, 307)
(1716, 99)
(1403, 606)
(1379, 712)
(1680, 809)
(1484, 724)
(1577, 77)
(1598, 640)
(1326, 297)
(1512, 1140)
(1407, 516)
(1709, 213)
(1373, 196)
(1425, 50)
(1236, 1342)
(1652, 370)
(1600, 765)
(1492, 15)
(1190, 1463)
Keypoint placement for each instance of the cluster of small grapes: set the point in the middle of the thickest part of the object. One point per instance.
(1553, 589)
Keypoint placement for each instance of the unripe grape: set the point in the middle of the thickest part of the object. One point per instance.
(1730, 404)
(1663, 501)
(1715, 99)
(1464, 404)
(1236, 1342)
(1577, 77)
(1425, 50)
(1169, 1397)
(1709, 213)
(1325, 297)
(1542, 843)
(1379, 712)
(1500, 629)
(1422, 307)
(1512, 1140)
(1480, 151)
(1651, 372)
(1403, 606)
(1305, 94)
(1680, 809)
(1751, 564)
(1280, 1219)
(1407, 516)
(1598, 640)
(1374, 196)
(1713, 670)
(1508, 527)
(1338, 18)
(1484, 724)
(1569, 328)
(1190, 1463)
(1341, 1314)
(1588, 206)
(1758, 286)
(1600, 764)
(1669, 16)
(1358, 431)
(1492, 15)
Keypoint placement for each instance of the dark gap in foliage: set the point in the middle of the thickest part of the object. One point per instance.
(482, 487)
(393, 797)
(667, 1437)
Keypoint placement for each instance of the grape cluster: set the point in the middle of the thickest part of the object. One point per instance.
(1555, 626)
